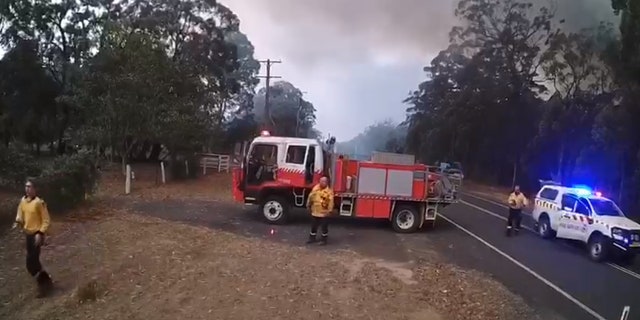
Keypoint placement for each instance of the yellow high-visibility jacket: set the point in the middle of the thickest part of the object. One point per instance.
(33, 215)
(517, 201)
(320, 201)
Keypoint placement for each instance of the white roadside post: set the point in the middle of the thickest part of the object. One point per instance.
(164, 180)
(127, 181)
(625, 313)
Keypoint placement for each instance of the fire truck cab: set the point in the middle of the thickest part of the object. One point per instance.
(277, 174)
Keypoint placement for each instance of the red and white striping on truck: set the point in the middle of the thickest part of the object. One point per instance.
(278, 173)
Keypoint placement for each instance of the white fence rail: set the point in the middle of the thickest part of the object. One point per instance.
(218, 162)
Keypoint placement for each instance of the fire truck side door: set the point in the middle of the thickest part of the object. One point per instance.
(295, 156)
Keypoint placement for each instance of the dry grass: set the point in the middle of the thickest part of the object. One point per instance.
(111, 264)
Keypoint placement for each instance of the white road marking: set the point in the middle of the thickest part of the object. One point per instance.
(613, 265)
(525, 268)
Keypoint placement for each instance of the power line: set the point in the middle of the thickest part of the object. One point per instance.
(268, 77)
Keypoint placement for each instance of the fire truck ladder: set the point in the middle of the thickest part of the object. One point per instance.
(346, 207)
(431, 212)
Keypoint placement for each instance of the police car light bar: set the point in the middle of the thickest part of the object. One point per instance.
(598, 194)
(582, 190)
(264, 133)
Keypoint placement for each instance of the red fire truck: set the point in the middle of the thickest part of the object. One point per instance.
(277, 174)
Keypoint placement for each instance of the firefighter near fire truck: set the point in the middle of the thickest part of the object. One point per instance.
(320, 203)
(517, 201)
(389, 186)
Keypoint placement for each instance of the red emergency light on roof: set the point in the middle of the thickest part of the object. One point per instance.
(598, 194)
(264, 133)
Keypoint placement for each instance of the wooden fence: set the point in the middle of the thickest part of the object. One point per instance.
(218, 162)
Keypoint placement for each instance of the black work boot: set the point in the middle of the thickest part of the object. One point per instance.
(45, 284)
(323, 240)
(516, 231)
(312, 239)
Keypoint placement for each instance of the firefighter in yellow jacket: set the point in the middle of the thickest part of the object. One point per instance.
(517, 201)
(33, 216)
(320, 203)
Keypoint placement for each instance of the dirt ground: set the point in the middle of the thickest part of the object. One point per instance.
(112, 260)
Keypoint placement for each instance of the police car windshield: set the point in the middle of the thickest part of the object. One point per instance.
(605, 208)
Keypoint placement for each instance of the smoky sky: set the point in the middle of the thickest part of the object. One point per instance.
(358, 59)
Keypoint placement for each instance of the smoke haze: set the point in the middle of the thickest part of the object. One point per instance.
(358, 59)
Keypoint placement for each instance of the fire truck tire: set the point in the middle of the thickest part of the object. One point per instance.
(406, 219)
(275, 210)
(598, 247)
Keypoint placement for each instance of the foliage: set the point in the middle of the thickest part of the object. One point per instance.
(292, 114)
(517, 98)
(63, 182)
(68, 180)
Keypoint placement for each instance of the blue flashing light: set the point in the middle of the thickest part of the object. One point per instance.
(582, 190)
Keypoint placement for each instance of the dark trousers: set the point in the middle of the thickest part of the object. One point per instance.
(33, 255)
(321, 222)
(514, 219)
(34, 266)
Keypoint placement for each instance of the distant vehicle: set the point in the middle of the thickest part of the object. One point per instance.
(277, 174)
(577, 213)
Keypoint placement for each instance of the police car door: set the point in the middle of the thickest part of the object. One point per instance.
(583, 214)
(565, 222)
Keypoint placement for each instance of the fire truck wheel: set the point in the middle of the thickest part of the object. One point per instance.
(406, 219)
(275, 210)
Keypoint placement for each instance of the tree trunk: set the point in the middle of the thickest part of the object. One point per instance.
(561, 151)
(622, 176)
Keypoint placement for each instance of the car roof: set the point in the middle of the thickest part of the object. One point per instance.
(572, 191)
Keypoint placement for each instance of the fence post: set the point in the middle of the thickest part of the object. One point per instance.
(203, 162)
(164, 180)
(186, 167)
(127, 181)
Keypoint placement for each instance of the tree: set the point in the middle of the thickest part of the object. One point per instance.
(293, 116)
(131, 90)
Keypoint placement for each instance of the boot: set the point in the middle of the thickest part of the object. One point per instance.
(323, 240)
(45, 284)
(312, 239)
(508, 232)
(516, 231)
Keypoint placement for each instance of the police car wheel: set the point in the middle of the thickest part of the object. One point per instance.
(544, 228)
(406, 219)
(274, 210)
(598, 248)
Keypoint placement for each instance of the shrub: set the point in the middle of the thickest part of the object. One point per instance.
(15, 166)
(68, 180)
(63, 182)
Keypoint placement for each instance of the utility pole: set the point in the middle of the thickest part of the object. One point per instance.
(268, 77)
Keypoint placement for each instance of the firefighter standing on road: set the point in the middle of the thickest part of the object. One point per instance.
(517, 201)
(33, 216)
(320, 203)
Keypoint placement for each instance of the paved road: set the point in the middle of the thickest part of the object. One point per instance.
(605, 289)
(554, 278)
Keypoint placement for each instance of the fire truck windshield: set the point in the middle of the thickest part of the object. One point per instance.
(605, 207)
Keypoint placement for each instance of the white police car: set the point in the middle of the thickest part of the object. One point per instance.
(576, 213)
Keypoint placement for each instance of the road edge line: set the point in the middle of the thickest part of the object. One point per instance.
(529, 270)
(495, 215)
